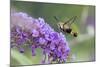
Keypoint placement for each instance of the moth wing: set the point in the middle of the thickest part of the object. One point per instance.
(66, 26)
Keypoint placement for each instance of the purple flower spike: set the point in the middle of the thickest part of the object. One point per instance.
(35, 33)
(33, 50)
(21, 50)
(28, 30)
(42, 41)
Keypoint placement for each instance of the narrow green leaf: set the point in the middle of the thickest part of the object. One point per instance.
(21, 58)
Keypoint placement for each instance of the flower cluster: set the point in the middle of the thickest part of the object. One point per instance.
(36, 33)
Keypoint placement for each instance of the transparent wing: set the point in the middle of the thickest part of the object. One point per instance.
(56, 18)
(71, 20)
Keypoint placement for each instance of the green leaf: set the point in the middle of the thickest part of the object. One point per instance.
(21, 58)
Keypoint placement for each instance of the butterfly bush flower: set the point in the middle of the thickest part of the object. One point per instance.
(36, 33)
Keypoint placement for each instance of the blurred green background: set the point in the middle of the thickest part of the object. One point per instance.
(82, 47)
